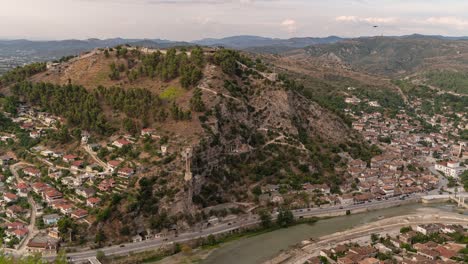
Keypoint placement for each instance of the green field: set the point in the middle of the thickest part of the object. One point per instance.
(171, 93)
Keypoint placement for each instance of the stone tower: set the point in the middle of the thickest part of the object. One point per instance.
(188, 162)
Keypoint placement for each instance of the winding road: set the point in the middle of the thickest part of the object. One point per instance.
(32, 223)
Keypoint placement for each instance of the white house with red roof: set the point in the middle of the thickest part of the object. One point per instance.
(38, 187)
(10, 197)
(113, 164)
(52, 194)
(19, 233)
(22, 189)
(126, 172)
(79, 213)
(66, 208)
(35, 134)
(77, 165)
(15, 225)
(120, 143)
(93, 202)
(69, 158)
(31, 171)
(106, 185)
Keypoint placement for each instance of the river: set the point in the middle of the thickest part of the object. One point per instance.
(263, 247)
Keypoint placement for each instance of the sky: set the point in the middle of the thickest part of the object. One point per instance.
(187, 20)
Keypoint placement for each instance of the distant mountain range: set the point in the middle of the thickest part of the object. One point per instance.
(56, 49)
(245, 42)
(49, 50)
(60, 48)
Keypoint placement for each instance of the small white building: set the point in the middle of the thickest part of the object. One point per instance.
(451, 168)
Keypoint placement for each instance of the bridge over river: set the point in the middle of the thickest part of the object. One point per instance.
(458, 198)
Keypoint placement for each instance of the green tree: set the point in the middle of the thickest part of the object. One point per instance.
(61, 258)
(100, 255)
(11, 104)
(66, 227)
(464, 180)
(196, 102)
(285, 217)
(227, 60)
(405, 229)
(265, 218)
(100, 237)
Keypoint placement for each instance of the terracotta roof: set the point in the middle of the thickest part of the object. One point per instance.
(123, 141)
(15, 225)
(80, 213)
(10, 196)
(21, 231)
(70, 157)
(94, 200)
(114, 163)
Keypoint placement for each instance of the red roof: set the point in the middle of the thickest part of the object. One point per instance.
(94, 200)
(114, 163)
(21, 232)
(70, 157)
(15, 225)
(80, 213)
(444, 252)
(10, 196)
(32, 170)
(65, 206)
(123, 141)
(39, 185)
(126, 170)
(77, 163)
(27, 125)
(22, 185)
(53, 193)
(15, 209)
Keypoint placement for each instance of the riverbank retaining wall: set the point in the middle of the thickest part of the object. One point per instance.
(367, 209)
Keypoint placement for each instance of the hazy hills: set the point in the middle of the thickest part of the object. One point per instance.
(59, 48)
(392, 56)
(49, 50)
(56, 49)
(245, 42)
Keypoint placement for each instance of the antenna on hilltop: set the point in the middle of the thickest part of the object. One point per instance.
(376, 27)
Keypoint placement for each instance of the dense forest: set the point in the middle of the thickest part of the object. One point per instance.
(188, 66)
(73, 102)
(449, 80)
(21, 73)
(84, 109)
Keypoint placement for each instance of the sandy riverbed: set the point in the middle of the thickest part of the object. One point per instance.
(361, 234)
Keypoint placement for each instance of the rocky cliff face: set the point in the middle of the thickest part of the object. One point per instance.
(255, 122)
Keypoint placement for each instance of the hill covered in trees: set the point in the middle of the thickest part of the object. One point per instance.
(246, 126)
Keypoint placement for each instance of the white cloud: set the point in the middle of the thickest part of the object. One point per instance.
(370, 20)
(446, 21)
(290, 25)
